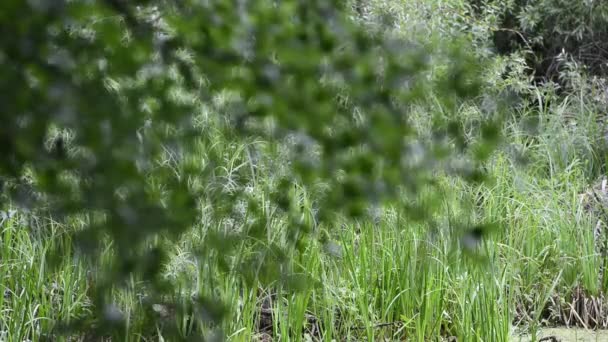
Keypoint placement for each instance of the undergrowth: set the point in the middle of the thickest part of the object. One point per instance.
(383, 277)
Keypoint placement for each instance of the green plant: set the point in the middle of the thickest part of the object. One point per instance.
(551, 32)
(106, 126)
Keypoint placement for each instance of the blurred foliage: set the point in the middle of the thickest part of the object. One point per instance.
(553, 32)
(106, 122)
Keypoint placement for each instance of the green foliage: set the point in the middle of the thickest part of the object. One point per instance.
(552, 31)
(118, 116)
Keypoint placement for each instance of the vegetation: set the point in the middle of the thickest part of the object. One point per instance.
(299, 170)
(552, 33)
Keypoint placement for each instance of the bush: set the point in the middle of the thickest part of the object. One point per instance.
(552, 31)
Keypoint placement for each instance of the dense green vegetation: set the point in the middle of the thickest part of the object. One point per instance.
(300, 170)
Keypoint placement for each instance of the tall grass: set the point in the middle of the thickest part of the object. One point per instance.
(386, 279)
(367, 280)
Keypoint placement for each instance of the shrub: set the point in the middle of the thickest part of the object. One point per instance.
(552, 31)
